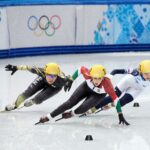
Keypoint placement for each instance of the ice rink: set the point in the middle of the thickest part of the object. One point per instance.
(17, 129)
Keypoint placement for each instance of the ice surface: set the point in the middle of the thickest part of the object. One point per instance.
(17, 129)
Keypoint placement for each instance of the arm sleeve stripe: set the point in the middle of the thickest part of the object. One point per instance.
(75, 75)
(118, 107)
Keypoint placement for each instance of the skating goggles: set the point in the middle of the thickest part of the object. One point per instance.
(51, 76)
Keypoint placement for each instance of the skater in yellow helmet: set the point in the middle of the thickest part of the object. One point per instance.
(129, 86)
(144, 67)
(49, 82)
(95, 87)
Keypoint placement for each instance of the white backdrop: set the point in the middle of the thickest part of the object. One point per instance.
(89, 19)
(60, 25)
(57, 26)
(4, 40)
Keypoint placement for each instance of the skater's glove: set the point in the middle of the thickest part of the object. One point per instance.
(122, 119)
(11, 68)
(67, 115)
(68, 85)
(44, 119)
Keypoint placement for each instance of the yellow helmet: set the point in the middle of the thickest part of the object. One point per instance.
(144, 66)
(97, 71)
(52, 68)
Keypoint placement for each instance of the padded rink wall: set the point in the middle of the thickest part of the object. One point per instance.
(62, 27)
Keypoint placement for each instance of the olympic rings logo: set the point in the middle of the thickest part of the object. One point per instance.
(46, 24)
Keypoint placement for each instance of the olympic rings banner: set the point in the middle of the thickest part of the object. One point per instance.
(45, 24)
(3, 30)
(64, 25)
(36, 26)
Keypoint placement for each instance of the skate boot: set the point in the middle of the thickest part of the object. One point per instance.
(10, 107)
(91, 111)
(28, 103)
(20, 100)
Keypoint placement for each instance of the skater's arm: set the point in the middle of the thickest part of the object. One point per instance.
(121, 118)
(109, 89)
(82, 70)
(111, 92)
(118, 107)
(124, 71)
(116, 102)
(68, 83)
(70, 79)
(13, 68)
(35, 70)
(118, 71)
(24, 67)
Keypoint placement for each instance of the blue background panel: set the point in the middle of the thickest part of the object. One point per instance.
(64, 2)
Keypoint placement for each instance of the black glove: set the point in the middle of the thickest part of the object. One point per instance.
(67, 115)
(122, 119)
(68, 85)
(11, 68)
(44, 119)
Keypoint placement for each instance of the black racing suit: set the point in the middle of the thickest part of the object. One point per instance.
(41, 86)
(82, 92)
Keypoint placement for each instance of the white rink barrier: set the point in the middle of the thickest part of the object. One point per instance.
(4, 38)
(51, 29)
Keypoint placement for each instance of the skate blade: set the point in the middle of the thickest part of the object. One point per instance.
(3, 110)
